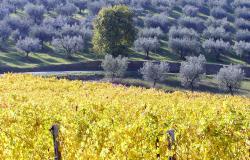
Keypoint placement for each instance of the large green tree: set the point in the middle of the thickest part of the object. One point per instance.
(114, 30)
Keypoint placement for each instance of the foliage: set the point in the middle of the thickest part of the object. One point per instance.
(67, 9)
(35, 12)
(114, 67)
(69, 45)
(216, 33)
(195, 23)
(230, 77)
(95, 6)
(190, 10)
(191, 71)
(105, 121)
(242, 48)
(154, 72)
(243, 35)
(114, 31)
(151, 33)
(182, 32)
(147, 45)
(185, 46)
(219, 13)
(5, 32)
(28, 45)
(242, 24)
(44, 33)
(160, 20)
(243, 13)
(216, 47)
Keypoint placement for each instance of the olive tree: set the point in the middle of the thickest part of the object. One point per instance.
(185, 46)
(69, 45)
(114, 67)
(67, 9)
(216, 33)
(28, 45)
(44, 33)
(154, 72)
(146, 45)
(190, 10)
(243, 35)
(159, 20)
(5, 32)
(191, 71)
(150, 32)
(243, 49)
(229, 78)
(192, 22)
(216, 47)
(35, 12)
(243, 24)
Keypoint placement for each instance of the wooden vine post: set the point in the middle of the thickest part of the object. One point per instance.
(171, 141)
(55, 132)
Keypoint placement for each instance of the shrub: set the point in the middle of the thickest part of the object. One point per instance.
(154, 72)
(230, 77)
(114, 67)
(191, 71)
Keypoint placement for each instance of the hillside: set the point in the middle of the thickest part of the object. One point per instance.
(218, 29)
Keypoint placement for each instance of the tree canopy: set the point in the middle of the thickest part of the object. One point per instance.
(114, 30)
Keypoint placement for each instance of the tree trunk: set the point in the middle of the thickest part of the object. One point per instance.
(27, 54)
(154, 83)
(182, 56)
(218, 56)
(231, 91)
(147, 54)
(192, 87)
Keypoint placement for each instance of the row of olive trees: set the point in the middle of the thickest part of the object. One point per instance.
(192, 71)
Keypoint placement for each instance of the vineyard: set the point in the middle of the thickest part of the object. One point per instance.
(107, 121)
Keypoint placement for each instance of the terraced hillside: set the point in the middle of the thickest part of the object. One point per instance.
(173, 29)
